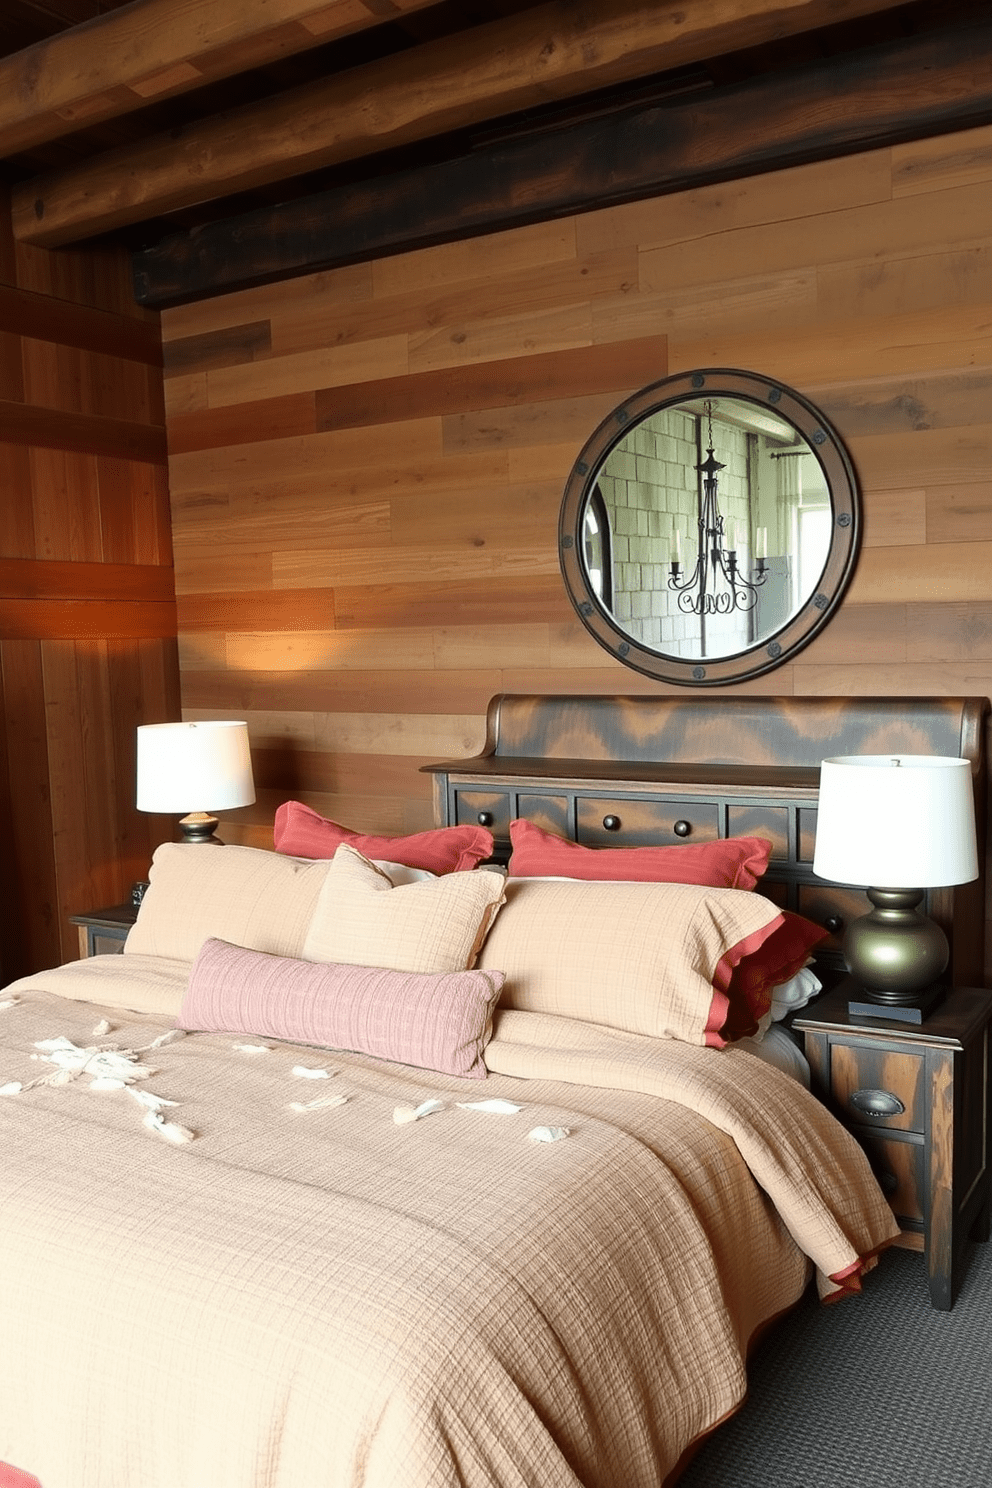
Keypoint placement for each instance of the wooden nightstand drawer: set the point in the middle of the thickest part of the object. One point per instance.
(900, 1168)
(634, 823)
(877, 1087)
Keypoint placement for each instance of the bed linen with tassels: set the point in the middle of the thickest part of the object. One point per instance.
(327, 1299)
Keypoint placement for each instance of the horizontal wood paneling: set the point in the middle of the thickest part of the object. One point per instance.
(87, 595)
(46, 619)
(22, 578)
(87, 433)
(392, 564)
(43, 317)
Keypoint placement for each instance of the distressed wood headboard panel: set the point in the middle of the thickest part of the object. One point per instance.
(635, 770)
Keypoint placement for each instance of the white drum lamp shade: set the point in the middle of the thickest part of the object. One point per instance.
(196, 769)
(897, 821)
(896, 824)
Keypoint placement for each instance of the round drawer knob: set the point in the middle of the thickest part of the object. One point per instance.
(611, 823)
(682, 828)
(485, 818)
(833, 923)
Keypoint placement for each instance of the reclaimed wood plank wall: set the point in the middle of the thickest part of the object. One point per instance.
(366, 464)
(87, 602)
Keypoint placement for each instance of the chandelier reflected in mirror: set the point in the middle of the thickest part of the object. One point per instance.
(708, 566)
(716, 585)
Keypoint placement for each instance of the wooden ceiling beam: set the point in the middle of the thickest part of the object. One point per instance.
(553, 52)
(155, 49)
(897, 91)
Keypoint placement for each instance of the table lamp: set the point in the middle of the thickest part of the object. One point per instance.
(196, 768)
(896, 824)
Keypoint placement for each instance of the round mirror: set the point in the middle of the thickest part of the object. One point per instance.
(709, 527)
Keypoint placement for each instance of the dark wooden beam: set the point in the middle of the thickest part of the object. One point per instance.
(557, 50)
(926, 85)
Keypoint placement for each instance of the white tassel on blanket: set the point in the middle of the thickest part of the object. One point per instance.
(108, 1068)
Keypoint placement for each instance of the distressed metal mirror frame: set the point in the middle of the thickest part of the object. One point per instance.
(734, 560)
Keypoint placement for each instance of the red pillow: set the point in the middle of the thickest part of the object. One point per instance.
(302, 833)
(785, 952)
(727, 863)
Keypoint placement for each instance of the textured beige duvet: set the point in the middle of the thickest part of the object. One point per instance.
(326, 1299)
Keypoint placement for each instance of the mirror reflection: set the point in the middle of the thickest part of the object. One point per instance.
(707, 527)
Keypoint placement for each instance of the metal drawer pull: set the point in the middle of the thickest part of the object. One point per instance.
(485, 818)
(682, 828)
(611, 823)
(876, 1103)
(833, 923)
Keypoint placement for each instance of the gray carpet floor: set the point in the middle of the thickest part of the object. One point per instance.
(877, 1391)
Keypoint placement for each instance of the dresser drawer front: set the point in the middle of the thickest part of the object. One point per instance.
(551, 813)
(484, 808)
(495, 809)
(876, 1088)
(603, 821)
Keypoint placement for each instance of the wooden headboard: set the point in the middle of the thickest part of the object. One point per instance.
(629, 771)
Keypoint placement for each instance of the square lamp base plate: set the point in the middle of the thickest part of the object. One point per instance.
(905, 1012)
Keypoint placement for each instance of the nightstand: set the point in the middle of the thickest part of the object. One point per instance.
(917, 1098)
(103, 931)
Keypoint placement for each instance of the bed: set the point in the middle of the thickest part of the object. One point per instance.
(355, 1171)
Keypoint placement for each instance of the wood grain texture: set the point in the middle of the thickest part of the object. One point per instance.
(35, 579)
(554, 51)
(87, 433)
(46, 619)
(913, 87)
(87, 610)
(45, 318)
(116, 63)
(859, 281)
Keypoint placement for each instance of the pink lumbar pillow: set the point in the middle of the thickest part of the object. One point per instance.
(726, 863)
(433, 1020)
(303, 833)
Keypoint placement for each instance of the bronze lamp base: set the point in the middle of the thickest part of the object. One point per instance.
(199, 826)
(896, 953)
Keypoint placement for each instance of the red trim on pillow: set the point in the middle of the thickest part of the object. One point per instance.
(756, 976)
(723, 973)
(725, 863)
(302, 833)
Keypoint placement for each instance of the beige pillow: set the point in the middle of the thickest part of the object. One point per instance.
(361, 919)
(245, 895)
(143, 984)
(644, 957)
